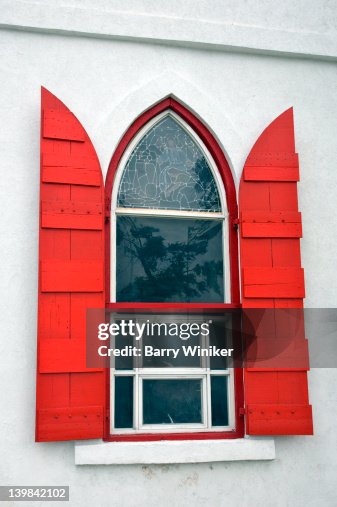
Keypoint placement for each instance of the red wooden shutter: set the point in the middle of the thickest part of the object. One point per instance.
(70, 397)
(271, 273)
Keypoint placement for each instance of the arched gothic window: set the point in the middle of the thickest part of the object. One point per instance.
(169, 244)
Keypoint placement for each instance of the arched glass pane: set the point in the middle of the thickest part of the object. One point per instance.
(167, 170)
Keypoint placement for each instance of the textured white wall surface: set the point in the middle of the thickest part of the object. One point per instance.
(207, 25)
(107, 82)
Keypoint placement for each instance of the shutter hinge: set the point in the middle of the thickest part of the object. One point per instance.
(107, 210)
(236, 222)
(107, 415)
(242, 411)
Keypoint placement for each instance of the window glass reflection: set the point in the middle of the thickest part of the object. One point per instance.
(172, 401)
(169, 259)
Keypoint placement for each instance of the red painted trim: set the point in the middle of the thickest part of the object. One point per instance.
(227, 178)
(170, 306)
(151, 437)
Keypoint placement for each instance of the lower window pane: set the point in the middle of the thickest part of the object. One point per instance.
(172, 401)
(219, 401)
(123, 402)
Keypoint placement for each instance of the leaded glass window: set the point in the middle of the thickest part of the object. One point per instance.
(167, 170)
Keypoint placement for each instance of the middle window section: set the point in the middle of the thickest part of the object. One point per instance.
(166, 259)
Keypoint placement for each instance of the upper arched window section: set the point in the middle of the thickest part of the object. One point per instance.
(169, 239)
(172, 202)
(167, 169)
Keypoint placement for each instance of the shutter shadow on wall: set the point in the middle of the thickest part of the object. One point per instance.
(271, 274)
(70, 398)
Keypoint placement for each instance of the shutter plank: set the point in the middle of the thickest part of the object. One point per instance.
(71, 276)
(54, 316)
(292, 217)
(272, 158)
(71, 215)
(62, 125)
(75, 176)
(257, 173)
(280, 419)
(271, 230)
(273, 282)
(271, 225)
(67, 168)
(70, 423)
(57, 356)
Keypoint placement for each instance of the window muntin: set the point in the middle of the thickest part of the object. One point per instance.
(215, 414)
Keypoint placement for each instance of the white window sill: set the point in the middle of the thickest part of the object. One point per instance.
(96, 452)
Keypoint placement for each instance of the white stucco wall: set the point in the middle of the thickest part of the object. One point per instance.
(107, 82)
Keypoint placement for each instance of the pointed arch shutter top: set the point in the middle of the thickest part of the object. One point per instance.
(271, 273)
(70, 398)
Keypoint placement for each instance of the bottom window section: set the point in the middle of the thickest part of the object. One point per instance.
(172, 402)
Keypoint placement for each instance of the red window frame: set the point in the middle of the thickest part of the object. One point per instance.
(224, 170)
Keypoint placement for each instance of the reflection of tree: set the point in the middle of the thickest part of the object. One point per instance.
(173, 270)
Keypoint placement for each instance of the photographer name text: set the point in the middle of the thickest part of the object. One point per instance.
(150, 351)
